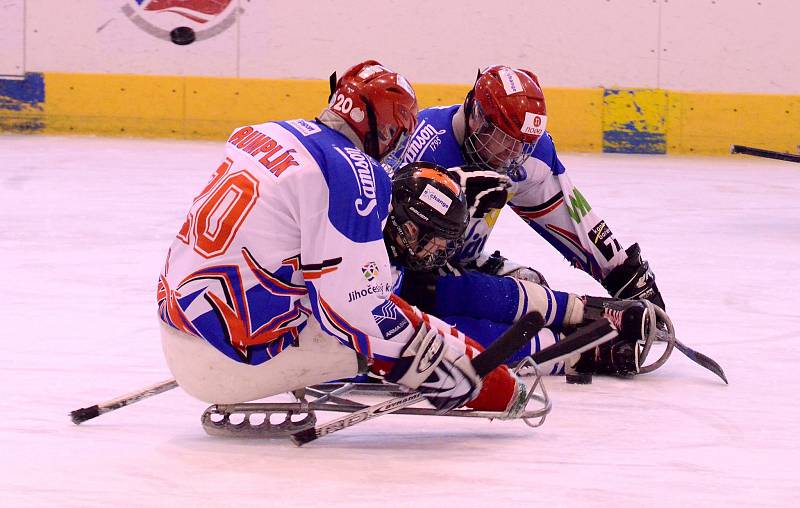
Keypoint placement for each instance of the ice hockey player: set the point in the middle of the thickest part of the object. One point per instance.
(280, 272)
(498, 144)
(429, 209)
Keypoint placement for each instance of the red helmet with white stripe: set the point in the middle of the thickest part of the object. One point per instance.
(506, 116)
(378, 104)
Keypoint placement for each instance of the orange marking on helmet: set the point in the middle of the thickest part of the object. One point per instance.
(440, 177)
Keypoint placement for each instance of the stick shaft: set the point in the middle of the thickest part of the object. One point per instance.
(517, 335)
(769, 154)
(583, 339)
(87, 413)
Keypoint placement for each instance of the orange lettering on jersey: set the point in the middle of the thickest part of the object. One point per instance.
(254, 145)
(221, 171)
(247, 139)
(269, 148)
(266, 161)
(282, 163)
(240, 134)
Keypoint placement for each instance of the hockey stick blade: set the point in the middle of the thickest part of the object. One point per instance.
(701, 360)
(87, 413)
(516, 336)
(769, 154)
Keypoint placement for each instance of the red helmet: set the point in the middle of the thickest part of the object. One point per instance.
(506, 116)
(378, 104)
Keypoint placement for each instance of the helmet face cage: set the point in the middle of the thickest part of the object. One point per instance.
(394, 158)
(424, 232)
(423, 248)
(488, 147)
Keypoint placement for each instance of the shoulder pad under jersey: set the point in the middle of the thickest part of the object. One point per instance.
(545, 151)
(359, 190)
(433, 140)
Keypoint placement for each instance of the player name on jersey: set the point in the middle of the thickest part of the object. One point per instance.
(275, 158)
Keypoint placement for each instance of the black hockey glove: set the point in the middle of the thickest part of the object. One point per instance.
(633, 279)
(485, 190)
(427, 364)
(619, 356)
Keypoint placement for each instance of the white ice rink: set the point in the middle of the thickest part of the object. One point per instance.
(85, 227)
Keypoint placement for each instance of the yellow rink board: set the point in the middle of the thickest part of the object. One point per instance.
(580, 119)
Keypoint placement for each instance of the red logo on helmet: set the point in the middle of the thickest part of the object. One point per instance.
(506, 96)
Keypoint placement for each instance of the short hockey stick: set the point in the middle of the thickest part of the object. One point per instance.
(769, 154)
(87, 413)
(516, 336)
(701, 360)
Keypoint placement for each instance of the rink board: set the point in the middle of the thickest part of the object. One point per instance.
(649, 121)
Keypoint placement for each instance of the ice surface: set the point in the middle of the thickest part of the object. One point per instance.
(85, 227)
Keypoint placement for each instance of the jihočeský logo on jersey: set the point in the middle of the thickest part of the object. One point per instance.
(383, 290)
(370, 270)
(182, 21)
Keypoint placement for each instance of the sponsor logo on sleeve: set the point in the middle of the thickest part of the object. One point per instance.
(534, 124)
(604, 240)
(365, 178)
(304, 127)
(389, 319)
(435, 199)
(426, 136)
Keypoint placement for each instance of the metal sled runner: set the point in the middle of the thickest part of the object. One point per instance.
(282, 420)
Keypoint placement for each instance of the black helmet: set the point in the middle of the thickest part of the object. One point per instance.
(428, 216)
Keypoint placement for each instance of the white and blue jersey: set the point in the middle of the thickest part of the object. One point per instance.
(542, 194)
(289, 228)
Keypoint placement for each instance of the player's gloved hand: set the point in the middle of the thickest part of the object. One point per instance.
(633, 279)
(485, 190)
(444, 375)
(619, 356)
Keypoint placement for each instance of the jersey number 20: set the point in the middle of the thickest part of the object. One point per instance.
(219, 210)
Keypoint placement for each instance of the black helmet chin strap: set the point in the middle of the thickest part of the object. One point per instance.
(469, 101)
(371, 145)
(332, 83)
(469, 107)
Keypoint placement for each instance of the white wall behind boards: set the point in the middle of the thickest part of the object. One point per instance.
(12, 37)
(693, 45)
